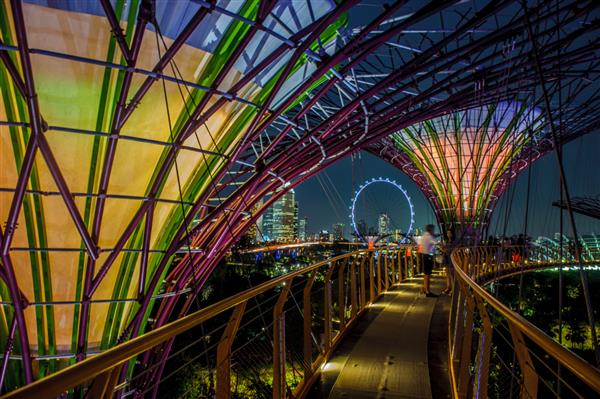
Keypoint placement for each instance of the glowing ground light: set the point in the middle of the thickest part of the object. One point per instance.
(385, 181)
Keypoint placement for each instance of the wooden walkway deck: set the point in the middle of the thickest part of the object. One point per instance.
(388, 356)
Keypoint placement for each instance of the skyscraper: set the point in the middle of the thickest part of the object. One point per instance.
(296, 222)
(383, 224)
(302, 224)
(267, 224)
(338, 231)
(254, 233)
(284, 218)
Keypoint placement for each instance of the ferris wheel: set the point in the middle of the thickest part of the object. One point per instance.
(386, 181)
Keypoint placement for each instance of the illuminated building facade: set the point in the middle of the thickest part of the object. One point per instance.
(338, 231)
(302, 225)
(383, 223)
(285, 217)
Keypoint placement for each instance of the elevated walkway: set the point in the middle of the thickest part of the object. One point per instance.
(357, 325)
(386, 356)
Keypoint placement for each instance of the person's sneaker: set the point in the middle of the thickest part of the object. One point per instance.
(431, 295)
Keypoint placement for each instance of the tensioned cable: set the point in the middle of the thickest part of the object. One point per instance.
(213, 183)
(180, 190)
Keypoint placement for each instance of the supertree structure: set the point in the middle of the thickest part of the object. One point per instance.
(135, 133)
(461, 159)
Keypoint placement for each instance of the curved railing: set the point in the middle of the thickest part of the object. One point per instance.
(315, 314)
(495, 352)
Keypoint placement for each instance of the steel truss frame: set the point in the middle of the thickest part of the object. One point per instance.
(353, 99)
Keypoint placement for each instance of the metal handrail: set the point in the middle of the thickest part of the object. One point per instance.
(103, 364)
(462, 259)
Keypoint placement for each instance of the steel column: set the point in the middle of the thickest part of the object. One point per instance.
(224, 352)
(307, 313)
(279, 376)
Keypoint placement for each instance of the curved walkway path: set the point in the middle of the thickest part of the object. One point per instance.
(390, 353)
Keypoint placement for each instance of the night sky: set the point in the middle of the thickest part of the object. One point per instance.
(582, 164)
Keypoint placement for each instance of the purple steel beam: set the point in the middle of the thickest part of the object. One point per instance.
(564, 183)
(144, 13)
(322, 69)
(67, 197)
(14, 73)
(17, 302)
(172, 155)
(196, 123)
(221, 226)
(166, 58)
(374, 43)
(115, 27)
(145, 251)
(339, 117)
(24, 173)
(8, 350)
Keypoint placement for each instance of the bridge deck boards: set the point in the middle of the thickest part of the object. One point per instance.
(389, 359)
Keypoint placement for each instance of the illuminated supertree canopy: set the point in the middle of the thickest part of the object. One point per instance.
(462, 157)
(140, 139)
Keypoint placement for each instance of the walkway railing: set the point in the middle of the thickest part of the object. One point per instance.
(495, 352)
(281, 331)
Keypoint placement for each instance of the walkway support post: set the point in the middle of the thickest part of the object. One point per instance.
(279, 381)
(482, 360)
(224, 352)
(104, 384)
(353, 310)
(529, 377)
(386, 273)
(379, 254)
(341, 302)
(363, 294)
(465, 347)
(307, 312)
(371, 276)
(327, 311)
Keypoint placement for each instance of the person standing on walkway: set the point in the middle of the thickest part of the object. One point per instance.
(449, 245)
(427, 243)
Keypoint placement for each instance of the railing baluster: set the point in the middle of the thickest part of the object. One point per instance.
(529, 383)
(279, 380)
(482, 360)
(467, 335)
(371, 277)
(224, 352)
(328, 311)
(341, 299)
(353, 310)
(363, 294)
(379, 254)
(307, 310)
(405, 258)
(386, 273)
(104, 384)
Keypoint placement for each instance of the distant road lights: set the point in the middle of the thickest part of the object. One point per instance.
(385, 181)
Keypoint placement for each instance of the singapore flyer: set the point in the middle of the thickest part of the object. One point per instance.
(387, 224)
